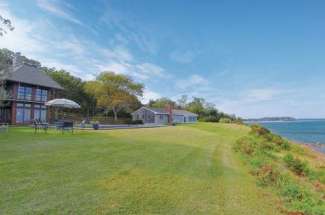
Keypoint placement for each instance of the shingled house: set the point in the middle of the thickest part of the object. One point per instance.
(28, 90)
(163, 115)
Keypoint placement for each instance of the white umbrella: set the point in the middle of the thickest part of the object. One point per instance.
(63, 103)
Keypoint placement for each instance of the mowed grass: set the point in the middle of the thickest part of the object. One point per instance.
(172, 170)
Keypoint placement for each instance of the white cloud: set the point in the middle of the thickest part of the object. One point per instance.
(22, 39)
(150, 69)
(260, 102)
(149, 95)
(53, 7)
(132, 31)
(73, 69)
(265, 94)
(114, 67)
(192, 82)
(197, 79)
(118, 53)
(139, 71)
(182, 57)
(32, 39)
(74, 46)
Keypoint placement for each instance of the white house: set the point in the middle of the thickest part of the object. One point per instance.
(163, 116)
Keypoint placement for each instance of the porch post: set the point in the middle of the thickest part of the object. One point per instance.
(14, 104)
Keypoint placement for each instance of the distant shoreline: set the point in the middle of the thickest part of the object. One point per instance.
(250, 121)
(267, 121)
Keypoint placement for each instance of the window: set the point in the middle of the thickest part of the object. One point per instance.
(23, 113)
(24, 93)
(192, 118)
(161, 117)
(40, 112)
(41, 95)
(38, 95)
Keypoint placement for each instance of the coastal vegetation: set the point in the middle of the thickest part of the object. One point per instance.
(295, 172)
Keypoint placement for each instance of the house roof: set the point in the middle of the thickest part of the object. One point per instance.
(29, 74)
(183, 112)
(157, 110)
(175, 111)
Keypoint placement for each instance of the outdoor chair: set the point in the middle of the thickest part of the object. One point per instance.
(39, 125)
(4, 128)
(64, 126)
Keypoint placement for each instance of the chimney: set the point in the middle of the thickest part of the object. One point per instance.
(18, 60)
(169, 110)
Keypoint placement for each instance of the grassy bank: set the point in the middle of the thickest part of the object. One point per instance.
(173, 170)
(295, 172)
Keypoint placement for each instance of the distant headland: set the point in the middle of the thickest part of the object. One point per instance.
(271, 119)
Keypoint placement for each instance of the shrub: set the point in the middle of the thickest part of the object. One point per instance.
(271, 141)
(286, 145)
(135, 122)
(267, 175)
(209, 119)
(245, 145)
(259, 130)
(266, 145)
(292, 192)
(258, 161)
(225, 120)
(279, 141)
(296, 165)
(301, 200)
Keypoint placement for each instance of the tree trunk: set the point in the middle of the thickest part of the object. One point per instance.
(115, 113)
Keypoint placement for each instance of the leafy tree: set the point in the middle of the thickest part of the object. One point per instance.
(182, 102)
(5, 24)
(161, 103)
(196, 106)
(115, 92)
(5, 66)
(73, 89)
(207, 111)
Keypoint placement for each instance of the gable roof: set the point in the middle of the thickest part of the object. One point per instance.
(163, 111)
(183, 112)
(32, 75)
(157, 110)
(153, 110)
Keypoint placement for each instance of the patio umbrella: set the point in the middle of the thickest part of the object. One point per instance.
(62, 103)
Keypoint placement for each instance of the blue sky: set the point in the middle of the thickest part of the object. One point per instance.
(250, 58)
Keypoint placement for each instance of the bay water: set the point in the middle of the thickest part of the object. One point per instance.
(301, 131)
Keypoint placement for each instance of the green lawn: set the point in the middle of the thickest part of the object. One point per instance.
(172, 170)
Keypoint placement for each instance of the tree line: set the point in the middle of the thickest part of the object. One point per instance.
(116, 95)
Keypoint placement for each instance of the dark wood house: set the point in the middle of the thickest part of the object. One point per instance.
(28, 90)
